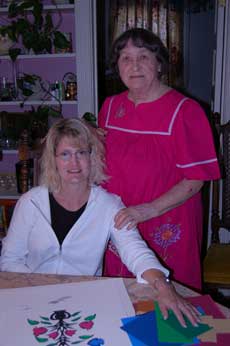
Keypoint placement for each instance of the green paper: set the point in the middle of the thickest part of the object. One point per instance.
(170, 330)
(165, 332)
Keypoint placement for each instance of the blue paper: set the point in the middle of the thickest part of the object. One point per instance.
(142, 331)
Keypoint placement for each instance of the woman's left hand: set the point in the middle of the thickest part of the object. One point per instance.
(169, 299)
(131, 216)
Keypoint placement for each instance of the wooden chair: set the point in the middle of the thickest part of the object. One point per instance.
(216, 265)
(7, 206)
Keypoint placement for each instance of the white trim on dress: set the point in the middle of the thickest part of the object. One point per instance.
(163, 133)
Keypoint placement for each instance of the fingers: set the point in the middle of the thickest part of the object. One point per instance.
(164, 311)
(124, 218)
(175, 310)
(191, 313)
(182, 309)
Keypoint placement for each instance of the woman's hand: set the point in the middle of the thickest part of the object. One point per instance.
(169, 299)
(133, 215)
(101, 133)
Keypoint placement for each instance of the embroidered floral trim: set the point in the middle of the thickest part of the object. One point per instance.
(120, 111)
(167, 234)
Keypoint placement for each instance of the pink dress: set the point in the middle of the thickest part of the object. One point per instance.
(149, 149)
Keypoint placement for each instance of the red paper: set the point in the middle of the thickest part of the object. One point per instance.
(211, 308)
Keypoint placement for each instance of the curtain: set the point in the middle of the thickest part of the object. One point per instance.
(163, 17)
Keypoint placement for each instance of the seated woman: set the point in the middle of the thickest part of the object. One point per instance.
(64, 225)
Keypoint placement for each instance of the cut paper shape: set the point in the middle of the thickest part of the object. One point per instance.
(143, 306)
(209, 336)
(134, 341)
(207, 304)
(220, 325)
(211, 308)
(170, 330)
(142, 331)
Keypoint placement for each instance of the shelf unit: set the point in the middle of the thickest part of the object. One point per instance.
(81, 61)
(50, 67)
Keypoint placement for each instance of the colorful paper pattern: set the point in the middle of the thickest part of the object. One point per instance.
(170, 330)
(142, 330)
(146, 329)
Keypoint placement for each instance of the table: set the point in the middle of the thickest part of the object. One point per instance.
(137, 292)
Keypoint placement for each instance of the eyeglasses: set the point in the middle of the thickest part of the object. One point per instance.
(79, 155)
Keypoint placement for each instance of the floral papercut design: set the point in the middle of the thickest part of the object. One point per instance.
(64, 329)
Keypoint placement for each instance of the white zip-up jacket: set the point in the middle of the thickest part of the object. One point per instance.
(32, 246)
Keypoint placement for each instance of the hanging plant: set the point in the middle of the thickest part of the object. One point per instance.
(32, 28)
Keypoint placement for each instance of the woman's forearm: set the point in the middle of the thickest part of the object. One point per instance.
(176, 196)
(171, 199)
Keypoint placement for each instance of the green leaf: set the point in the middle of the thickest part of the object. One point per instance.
(75, 319)
(48, 26)
(90, 318)
(47, 323)
(27, 92)
(22, 26)
(32, 322)
(41, 339)
(76, 313)
(45, 318)
(75, 342)
(12, 10)
(13, 53)
(37, 12)
(24, 5)
(85, 337)
(60, 40)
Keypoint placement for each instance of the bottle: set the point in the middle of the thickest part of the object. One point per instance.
(5, 90)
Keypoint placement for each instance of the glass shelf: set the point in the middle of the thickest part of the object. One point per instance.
(40, 56)
(62, 7)
(36, 102)
(10, 151)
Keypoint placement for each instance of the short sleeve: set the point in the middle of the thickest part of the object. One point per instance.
(194, 145)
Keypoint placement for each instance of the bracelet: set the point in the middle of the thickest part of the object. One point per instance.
(165, 279)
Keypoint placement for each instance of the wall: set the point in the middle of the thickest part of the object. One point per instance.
(199, 43)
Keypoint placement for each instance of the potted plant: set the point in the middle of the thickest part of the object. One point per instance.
(32, 28)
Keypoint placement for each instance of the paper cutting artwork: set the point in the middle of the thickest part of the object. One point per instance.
(87, 313)
(65, 329)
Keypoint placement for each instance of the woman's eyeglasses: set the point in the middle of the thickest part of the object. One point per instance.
(79, 155)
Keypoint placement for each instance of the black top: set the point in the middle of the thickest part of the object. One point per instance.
(62, 220)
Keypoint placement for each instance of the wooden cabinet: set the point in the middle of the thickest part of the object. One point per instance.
(6, 211)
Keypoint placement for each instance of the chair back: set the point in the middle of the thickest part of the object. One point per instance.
(221, 188)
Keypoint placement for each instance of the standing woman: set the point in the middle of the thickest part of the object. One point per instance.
(159, 152)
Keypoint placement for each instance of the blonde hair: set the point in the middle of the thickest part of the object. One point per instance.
(81, 133)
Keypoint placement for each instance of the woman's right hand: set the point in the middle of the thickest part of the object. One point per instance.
(101, 133)
(131, 216)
